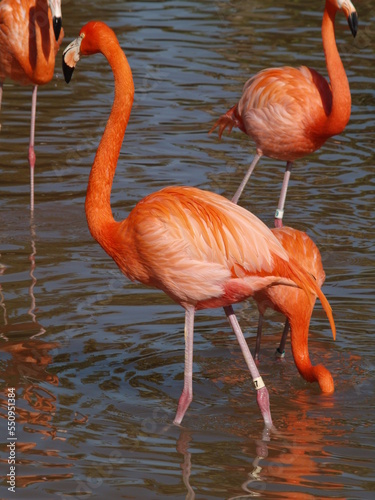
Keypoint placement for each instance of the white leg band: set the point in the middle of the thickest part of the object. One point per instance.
(258, 383)
(279, 354)
(279, 214)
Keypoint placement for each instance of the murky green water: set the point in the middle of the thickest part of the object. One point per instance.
(97, 361)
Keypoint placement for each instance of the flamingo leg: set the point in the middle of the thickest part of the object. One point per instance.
(259, 335)
(31, 146)
(187, 393)
(280, 351)
(262, 392)
(280, 208)
(238, 193)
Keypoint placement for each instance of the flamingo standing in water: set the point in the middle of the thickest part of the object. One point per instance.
(201, 249)
(30, 36)
(291, 112)
(296, 306)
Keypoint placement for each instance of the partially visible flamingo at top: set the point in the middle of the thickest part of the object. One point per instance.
(291, 112)
(198, 247)
(30, 36)
(296, 306)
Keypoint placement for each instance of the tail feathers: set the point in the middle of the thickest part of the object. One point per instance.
(304, 280)
(228, 121)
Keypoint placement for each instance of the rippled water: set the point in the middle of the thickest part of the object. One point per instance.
(97, 361)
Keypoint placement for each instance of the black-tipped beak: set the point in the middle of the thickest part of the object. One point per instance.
(67, 70)
(71, 56)
(57, 23)
(353, 23)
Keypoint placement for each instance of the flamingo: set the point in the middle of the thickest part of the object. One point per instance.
(291, 112)
(30, 36)
(296, 306)
(201, 249)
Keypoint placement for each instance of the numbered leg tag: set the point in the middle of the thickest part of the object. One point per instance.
(279, 214)
(258, 383)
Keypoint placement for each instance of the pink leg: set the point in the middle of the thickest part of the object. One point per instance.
(187, 393)
(238, 193)
(280, 208)
(31, 146)
(262, 392)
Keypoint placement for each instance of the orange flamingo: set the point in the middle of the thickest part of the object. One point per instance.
(30, 36)
(291, 112)
(296, 306)
(201, 249)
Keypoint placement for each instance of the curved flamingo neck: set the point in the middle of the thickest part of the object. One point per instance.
(299, 331)
(98, 205)
(341, 98)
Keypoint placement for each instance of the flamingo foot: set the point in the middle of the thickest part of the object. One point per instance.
(185, 399)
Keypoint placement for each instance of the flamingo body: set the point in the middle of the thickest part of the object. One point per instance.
(198, 247)
(291, 112)
(306, 253)
(295, 101)
(28, 45)
(30, 36)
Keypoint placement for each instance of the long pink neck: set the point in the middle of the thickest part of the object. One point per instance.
(98, 204)
(341, 99)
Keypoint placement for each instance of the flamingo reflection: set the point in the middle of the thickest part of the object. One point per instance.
(26, 359)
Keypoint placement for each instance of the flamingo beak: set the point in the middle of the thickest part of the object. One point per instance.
(350, 13)
(55, 6)
(353, 23)
(70, 58)
(57, 23)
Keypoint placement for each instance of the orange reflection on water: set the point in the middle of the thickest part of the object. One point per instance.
(26, 359)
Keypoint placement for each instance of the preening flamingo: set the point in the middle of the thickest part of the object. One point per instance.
(296, 305)
(30, 36)
(201, 249)
(291, 112)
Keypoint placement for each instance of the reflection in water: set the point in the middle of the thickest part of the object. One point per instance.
(295, 456)
(25, 366)
(120, 357)
(33, 280)
(182, 447)
(31, 326)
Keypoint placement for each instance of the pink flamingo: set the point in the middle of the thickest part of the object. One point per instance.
(30, 36)
(201, 249)
(291, 112)
(296, 306)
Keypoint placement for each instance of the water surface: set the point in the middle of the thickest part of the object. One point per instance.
(97, 361)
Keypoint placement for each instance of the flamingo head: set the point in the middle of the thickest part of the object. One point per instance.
(350, 13)
(92, 37)
(55, 6)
